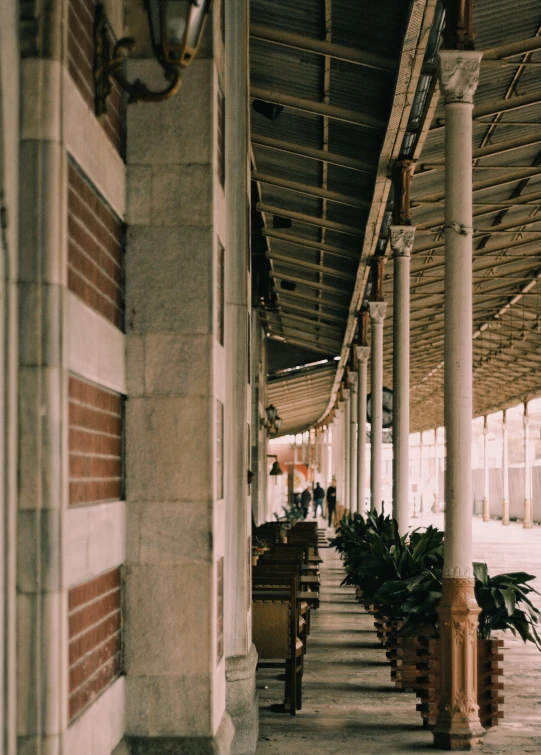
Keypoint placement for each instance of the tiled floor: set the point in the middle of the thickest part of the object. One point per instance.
(351, 706)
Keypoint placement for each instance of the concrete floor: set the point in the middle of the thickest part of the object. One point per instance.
(350, 705)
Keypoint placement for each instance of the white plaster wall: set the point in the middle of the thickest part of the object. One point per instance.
(94, 348)
(100, 727)
(95, 541)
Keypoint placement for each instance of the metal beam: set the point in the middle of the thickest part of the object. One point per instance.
(310, 191)
(318, 108)
(281, 293)
(315, 154)
(282, 259)
(313, 312)
(309, 284)
(494, 107)
(287, 238)
(302, 217)
(310, 334)
(311, 346)
(318, 47)
(333, 329)
(518, 47)
(506, 145)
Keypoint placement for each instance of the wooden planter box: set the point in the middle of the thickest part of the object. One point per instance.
(402, 655)
(489, 685)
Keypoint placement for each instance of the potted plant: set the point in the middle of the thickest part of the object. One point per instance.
(505, 606)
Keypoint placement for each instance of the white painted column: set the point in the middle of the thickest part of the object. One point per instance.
(362, 388)
(353, 502)
(422, 475)
(458, 720)
(377, 316)
(505, 468)
(345, 448)
(486, 491)
(402, 237)
(436, 505)
(459, 73)
(527, 523)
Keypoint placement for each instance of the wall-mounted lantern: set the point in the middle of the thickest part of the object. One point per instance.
(272, 421)
(175, 29)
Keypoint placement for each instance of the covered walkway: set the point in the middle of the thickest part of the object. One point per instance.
(350, 704)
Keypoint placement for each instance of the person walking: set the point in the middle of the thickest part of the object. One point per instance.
(306, 499)
(331, 500)
(319, 497)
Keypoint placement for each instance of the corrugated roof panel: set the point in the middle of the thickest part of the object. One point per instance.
(304, 16)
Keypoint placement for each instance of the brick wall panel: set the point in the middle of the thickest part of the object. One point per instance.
(95, 638)
(95, 249)
(94, 442)
(80, 63)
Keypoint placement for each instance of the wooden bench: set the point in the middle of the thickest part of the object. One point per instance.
(275, 623)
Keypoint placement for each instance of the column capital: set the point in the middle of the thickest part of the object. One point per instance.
(377, 311)
(362, 353)
(401, 238)
(345, 393)
(458, 74)
(352, 381)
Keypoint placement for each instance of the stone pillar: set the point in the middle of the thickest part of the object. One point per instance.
(527, 522)
(42, 605)
(458, 725)
(176, 512)
(353, 501)
(241, 655)
(486, 491)
(421, 474)
(402, 237)
(362, 387)
(377, 315)
(505, 468)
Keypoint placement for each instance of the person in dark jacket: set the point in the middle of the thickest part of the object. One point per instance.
(331, 500)
(319, 497)
(306, 498)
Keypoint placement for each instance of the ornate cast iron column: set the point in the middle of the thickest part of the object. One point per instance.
(458, 725)
(402, 237)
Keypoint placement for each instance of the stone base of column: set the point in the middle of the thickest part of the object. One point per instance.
(505, 515)
(458, 726)
(219, 744)
(241, 701)
(486, 510)
(527, 523)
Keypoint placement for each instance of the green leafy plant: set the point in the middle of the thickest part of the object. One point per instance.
(505, 604)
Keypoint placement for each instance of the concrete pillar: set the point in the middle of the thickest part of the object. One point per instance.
(353, 501)
(41, 650)
(362, 388)
(377, 315)
(402, 237)
(241, 654)
(505, 468)
(486, 486)
(458, 724)
(527, 522)
(176, 510)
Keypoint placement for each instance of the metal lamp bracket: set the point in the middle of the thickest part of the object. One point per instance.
(109, 64)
